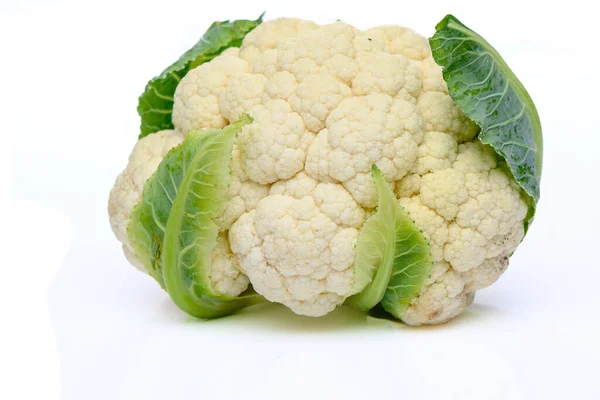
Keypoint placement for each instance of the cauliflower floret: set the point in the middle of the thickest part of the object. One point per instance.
(196, 100)
(438, 151)
(225, 274)
(242, 93)
(299, 186)
(267, 35)
(243, 194)
(265, 64)
(440, 301)
(444, 191)
(408, 186)
(317, 159)
(145, 157)
(433, 225)
(315, 97)
(366, 130)
(487, 273)
(472, 214)
(274, 147)
(400, 40)
(432, 78)
(297, 247)
(391, 74)
(281, 85)
(474, 157)
(442, 114)
(328, 49)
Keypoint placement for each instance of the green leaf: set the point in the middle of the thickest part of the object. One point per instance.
(204, 164)
(148, 220)
(412, 267)
(172, 229)
(393, 259)
(490, 94)
(156, 103)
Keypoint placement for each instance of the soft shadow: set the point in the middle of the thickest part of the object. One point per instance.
(271, 317)
(168, 312)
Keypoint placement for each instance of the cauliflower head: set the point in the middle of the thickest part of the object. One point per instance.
(323, 165)
(328, 102)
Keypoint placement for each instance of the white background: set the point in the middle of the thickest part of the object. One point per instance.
(71, 73)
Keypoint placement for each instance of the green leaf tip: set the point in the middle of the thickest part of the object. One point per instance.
(444, 22)
(155, 105)
(393, 258)
(489, 93)
(244, 119)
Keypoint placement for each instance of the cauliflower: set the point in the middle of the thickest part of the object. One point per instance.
(329, 106)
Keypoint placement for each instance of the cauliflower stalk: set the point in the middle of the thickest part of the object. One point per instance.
(326, 165)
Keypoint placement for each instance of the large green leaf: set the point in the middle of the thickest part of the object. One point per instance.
(490, 94)
(156, 103)
(172, 229)
(393, 259)
(191, 232)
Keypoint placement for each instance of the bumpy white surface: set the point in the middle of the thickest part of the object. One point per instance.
(197, 100)
(297, 247)
(145, 157)
(328, 102)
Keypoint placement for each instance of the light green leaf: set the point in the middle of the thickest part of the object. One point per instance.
(148, 220)
(156, 103)
(173, 231)
(393, 259)
(490, 94)
(411, 269)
